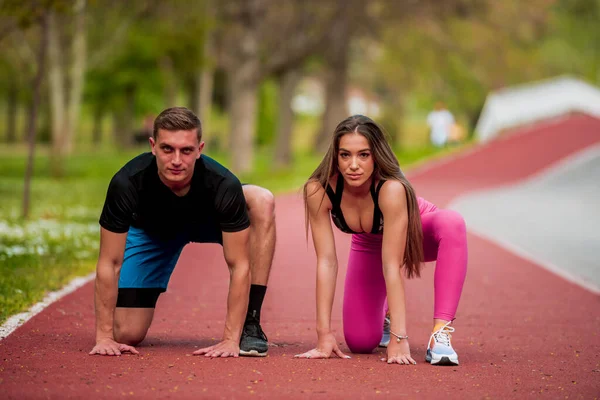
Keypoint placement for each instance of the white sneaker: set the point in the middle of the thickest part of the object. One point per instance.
(385, 337)
(442, 352)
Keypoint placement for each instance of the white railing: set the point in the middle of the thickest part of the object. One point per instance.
(524, 104)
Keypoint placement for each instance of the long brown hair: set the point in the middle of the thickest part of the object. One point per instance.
(386, 168)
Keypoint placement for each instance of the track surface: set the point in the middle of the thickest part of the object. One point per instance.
(521, 331)
(561, 211)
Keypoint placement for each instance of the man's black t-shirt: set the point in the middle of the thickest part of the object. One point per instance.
(136, 197)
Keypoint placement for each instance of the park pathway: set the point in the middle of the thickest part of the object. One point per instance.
(521, 331)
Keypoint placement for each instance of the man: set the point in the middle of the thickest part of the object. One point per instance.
(156, 204)
(440, 122)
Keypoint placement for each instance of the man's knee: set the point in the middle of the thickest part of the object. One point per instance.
(261, 204)
(130, 335)
(132, 324)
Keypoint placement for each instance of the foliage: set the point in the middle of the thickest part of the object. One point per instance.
(266, 122)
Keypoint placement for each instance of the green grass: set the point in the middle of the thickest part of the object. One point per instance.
(60, 239)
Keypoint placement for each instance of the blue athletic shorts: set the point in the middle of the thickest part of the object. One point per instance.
(149, 262)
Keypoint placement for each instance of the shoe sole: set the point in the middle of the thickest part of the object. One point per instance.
(443, 361)
(252, 353)
(383, 344)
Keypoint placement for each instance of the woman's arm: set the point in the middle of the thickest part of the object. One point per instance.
(392, 201)
(322, 234)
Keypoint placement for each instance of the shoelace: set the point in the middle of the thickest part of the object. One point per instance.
(254, 330)
(442, 335)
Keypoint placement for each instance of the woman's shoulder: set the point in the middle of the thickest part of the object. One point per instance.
(315, 194)
(392, 193)
(313, 186)
(392, 186)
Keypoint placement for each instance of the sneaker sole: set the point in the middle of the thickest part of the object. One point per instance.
(383, 344)
(443, 361)
(252, 353)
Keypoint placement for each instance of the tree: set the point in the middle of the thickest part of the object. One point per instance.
(32, 121)
(65, 88)
(287, 81)
(251, 51)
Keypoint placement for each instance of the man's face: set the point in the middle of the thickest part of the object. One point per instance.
(176, 154)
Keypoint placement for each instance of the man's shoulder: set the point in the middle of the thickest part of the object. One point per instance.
(131, 174)
(136, 166)
(212, 171)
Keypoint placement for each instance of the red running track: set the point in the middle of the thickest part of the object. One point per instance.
(522, 332)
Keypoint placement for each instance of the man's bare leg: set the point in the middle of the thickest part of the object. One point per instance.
(131, 324)
(261, 209)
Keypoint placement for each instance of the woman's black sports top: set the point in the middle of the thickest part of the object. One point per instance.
(336, 212)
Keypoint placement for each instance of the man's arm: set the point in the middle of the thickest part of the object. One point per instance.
(108, 268)
(237, 256)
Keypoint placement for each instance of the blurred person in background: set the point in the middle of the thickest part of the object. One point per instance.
(440, 122)
(370, 192)
(156, 204)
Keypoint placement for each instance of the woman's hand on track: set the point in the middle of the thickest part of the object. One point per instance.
(399, 353)
(325, 347)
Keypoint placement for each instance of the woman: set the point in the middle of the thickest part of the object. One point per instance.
(360, 184)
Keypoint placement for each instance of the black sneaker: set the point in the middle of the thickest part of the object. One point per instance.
(254, 342)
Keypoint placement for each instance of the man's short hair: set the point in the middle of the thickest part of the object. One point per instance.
(177, 119)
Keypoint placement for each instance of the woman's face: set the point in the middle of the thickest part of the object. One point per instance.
(355, 160)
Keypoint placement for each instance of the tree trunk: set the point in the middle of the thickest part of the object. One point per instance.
(287, 86)
(128, 117)
(117, 123)
(207, 71)
(170, 81)
(336, 77)
(243, 107)
(57, 96)
(192, 86)
(205, 91)
(55, 81)
(97, 129)
(243, 78)
(37, 83)
(11, 111)
(79, 55)
(123, 120)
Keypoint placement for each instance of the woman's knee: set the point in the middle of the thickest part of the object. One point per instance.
(450, 225)
(362, 343)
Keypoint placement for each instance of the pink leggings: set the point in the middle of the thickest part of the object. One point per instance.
(444, 240)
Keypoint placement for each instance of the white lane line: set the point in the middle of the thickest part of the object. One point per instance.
(19, 319)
